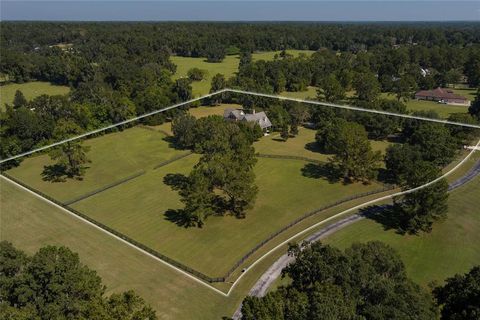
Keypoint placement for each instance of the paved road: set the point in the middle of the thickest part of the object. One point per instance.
(261, 286)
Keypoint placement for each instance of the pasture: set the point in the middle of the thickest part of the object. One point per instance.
(113, 157)
(228, 67)
(142, 208)
(30, 90)
(450, 248)
(270, 55)
(137, 208)
(30, 223)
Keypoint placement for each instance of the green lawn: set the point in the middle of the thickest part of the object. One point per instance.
(270, 55)
(30, 91)
(31, 223)
(309, 94)
(113, 157)
(137, 209)
(302, 145)
(228, 67)
(444, 110)
(451, 248)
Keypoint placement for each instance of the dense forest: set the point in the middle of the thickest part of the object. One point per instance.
(119, 70)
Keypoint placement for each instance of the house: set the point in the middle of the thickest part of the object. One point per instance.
(442, 95)
(259, 118)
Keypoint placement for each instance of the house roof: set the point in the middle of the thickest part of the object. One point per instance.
(237, 114)
(440, 94)
(260, 118)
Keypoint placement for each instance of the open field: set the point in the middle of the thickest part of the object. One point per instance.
(31, 223)
(309, 94)
(30, 90)
(302, 145)
(270, 55)
(288, 189)
(452, 246)
(137, 208)
(227, 67)
(113, 157)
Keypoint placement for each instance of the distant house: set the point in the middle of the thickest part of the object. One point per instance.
(442, 95)
(259, 118)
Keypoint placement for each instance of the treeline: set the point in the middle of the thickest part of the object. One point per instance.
(66, 53)
(93, 104)
(366, 281)
(400, 71)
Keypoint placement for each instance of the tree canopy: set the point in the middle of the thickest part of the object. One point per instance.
(54, 284)
(366, 281)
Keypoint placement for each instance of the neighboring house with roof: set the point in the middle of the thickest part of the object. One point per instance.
(259, 118)
(442, 95)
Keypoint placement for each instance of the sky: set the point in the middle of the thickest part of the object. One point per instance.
(247, 10)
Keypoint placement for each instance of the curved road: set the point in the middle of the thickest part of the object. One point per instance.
(261, 286)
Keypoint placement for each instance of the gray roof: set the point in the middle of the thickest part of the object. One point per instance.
(234, 114)
(239, 115)
(260, 118)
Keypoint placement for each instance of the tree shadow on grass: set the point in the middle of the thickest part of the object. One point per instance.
(318, 171)
(386, 215)
(313, 147)
(54, 173)
(179, 217)
(171, 142)
(176, 181)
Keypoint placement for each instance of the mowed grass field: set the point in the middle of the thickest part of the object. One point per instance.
(30, 223)
(113, 157)
(452, 247)
(30, 90)
(138, 207)
(302, 145)
(270, 55)
(228, 67)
